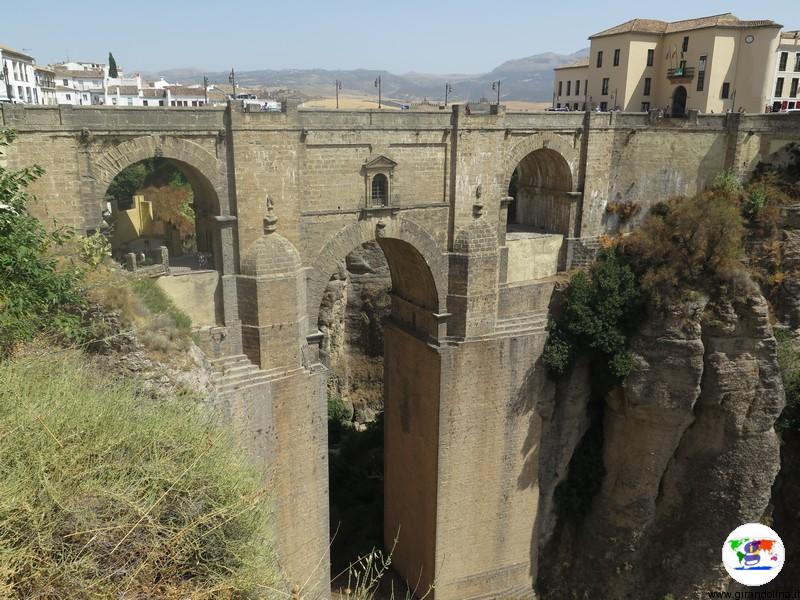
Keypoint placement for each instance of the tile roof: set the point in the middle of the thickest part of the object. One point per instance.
(10, 50)
(186, 92)
(655, 26)
(79, 74)
(584, 62)
(125, 90)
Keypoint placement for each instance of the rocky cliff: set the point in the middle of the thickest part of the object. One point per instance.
(672, 460)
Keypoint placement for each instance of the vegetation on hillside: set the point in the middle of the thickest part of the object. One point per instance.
(105, 494)
(36, 295)
(684, 247)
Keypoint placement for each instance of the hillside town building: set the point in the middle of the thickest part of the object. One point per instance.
(18, 77)
(787, 73)
(710, 64)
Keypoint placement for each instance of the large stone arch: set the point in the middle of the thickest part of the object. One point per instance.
(395, 236)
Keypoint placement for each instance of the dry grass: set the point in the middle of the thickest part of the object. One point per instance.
(106, 495)
(347, 102)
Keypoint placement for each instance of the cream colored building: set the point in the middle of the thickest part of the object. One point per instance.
(711, 64)
(571, 82)
(785, 92)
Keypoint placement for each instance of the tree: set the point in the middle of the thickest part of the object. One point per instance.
(112, 66)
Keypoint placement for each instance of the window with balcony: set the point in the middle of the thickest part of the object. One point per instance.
(605, 86)
(651, 57)
(784, 59)
(779, 87)
(604, 107)
(647, 85)
(616, 57)
(599, 59)
(645, 107)
(793, 89)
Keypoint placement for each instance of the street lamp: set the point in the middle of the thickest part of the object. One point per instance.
(378, 85)
(448, 89)
(338, 87)
(496, 86)
(232, 80)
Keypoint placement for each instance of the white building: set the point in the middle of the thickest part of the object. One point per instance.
(79, 83)
(46, 82)
(787, 73)
(18, 77)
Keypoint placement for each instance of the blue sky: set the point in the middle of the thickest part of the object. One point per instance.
(468, 36)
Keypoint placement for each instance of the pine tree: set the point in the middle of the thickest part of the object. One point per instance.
(112, 66)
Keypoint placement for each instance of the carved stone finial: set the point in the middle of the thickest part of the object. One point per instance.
(380, 228)
(477, 209)
(270, 220)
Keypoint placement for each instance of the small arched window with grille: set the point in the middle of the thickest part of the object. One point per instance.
(380, 189)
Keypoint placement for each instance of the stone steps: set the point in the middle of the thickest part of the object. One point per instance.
(530, 322)
(236, 373)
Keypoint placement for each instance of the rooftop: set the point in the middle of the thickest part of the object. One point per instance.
(79, 74)
(654, 26)
(9, 50)
(584, 62)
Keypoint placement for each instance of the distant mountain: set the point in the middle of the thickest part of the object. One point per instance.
(529, 78)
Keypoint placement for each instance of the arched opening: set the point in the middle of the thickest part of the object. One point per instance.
(160, 217)
(540, 187)
(162, 203)
(380, 189)
(376, 315)
(679, 102)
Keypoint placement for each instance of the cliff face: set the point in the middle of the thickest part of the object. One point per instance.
(351, 316)
(689, 452)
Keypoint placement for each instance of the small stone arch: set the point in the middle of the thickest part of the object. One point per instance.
(569, 150)
(200, 166)
(396, 237)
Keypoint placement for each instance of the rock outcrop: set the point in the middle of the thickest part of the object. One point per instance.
(689, 452)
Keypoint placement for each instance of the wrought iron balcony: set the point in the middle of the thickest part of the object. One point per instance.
(680, 73)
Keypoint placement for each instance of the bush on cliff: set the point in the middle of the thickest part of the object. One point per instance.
(600, 309)
(106, 495)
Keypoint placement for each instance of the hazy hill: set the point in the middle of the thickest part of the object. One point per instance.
(529, 78)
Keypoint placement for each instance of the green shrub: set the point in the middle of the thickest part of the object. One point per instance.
(601, 308)
(35, 294)
(106, 495)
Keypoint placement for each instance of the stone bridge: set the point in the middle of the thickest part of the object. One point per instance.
(468, 477)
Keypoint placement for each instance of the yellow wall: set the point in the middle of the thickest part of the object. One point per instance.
(133, 223)
(748, 68)
(572, 74)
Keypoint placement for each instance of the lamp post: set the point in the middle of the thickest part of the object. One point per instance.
(205, 88)
(448, 89)
(338, 87)
(496, 86)
(232, 80)
(378, 85)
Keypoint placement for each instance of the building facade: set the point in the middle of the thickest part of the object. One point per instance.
(18, 72)
(571, 84)
(787, 74)
(711, 64)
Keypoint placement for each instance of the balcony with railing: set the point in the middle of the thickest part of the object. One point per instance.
(680, 73)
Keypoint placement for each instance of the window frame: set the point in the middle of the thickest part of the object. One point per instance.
(783, 62)
(606, 85)
(725, 92)
(616, 56)
(599, 59)
(648, 86)
(685, 45)
(779, 84)
(651, 57)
